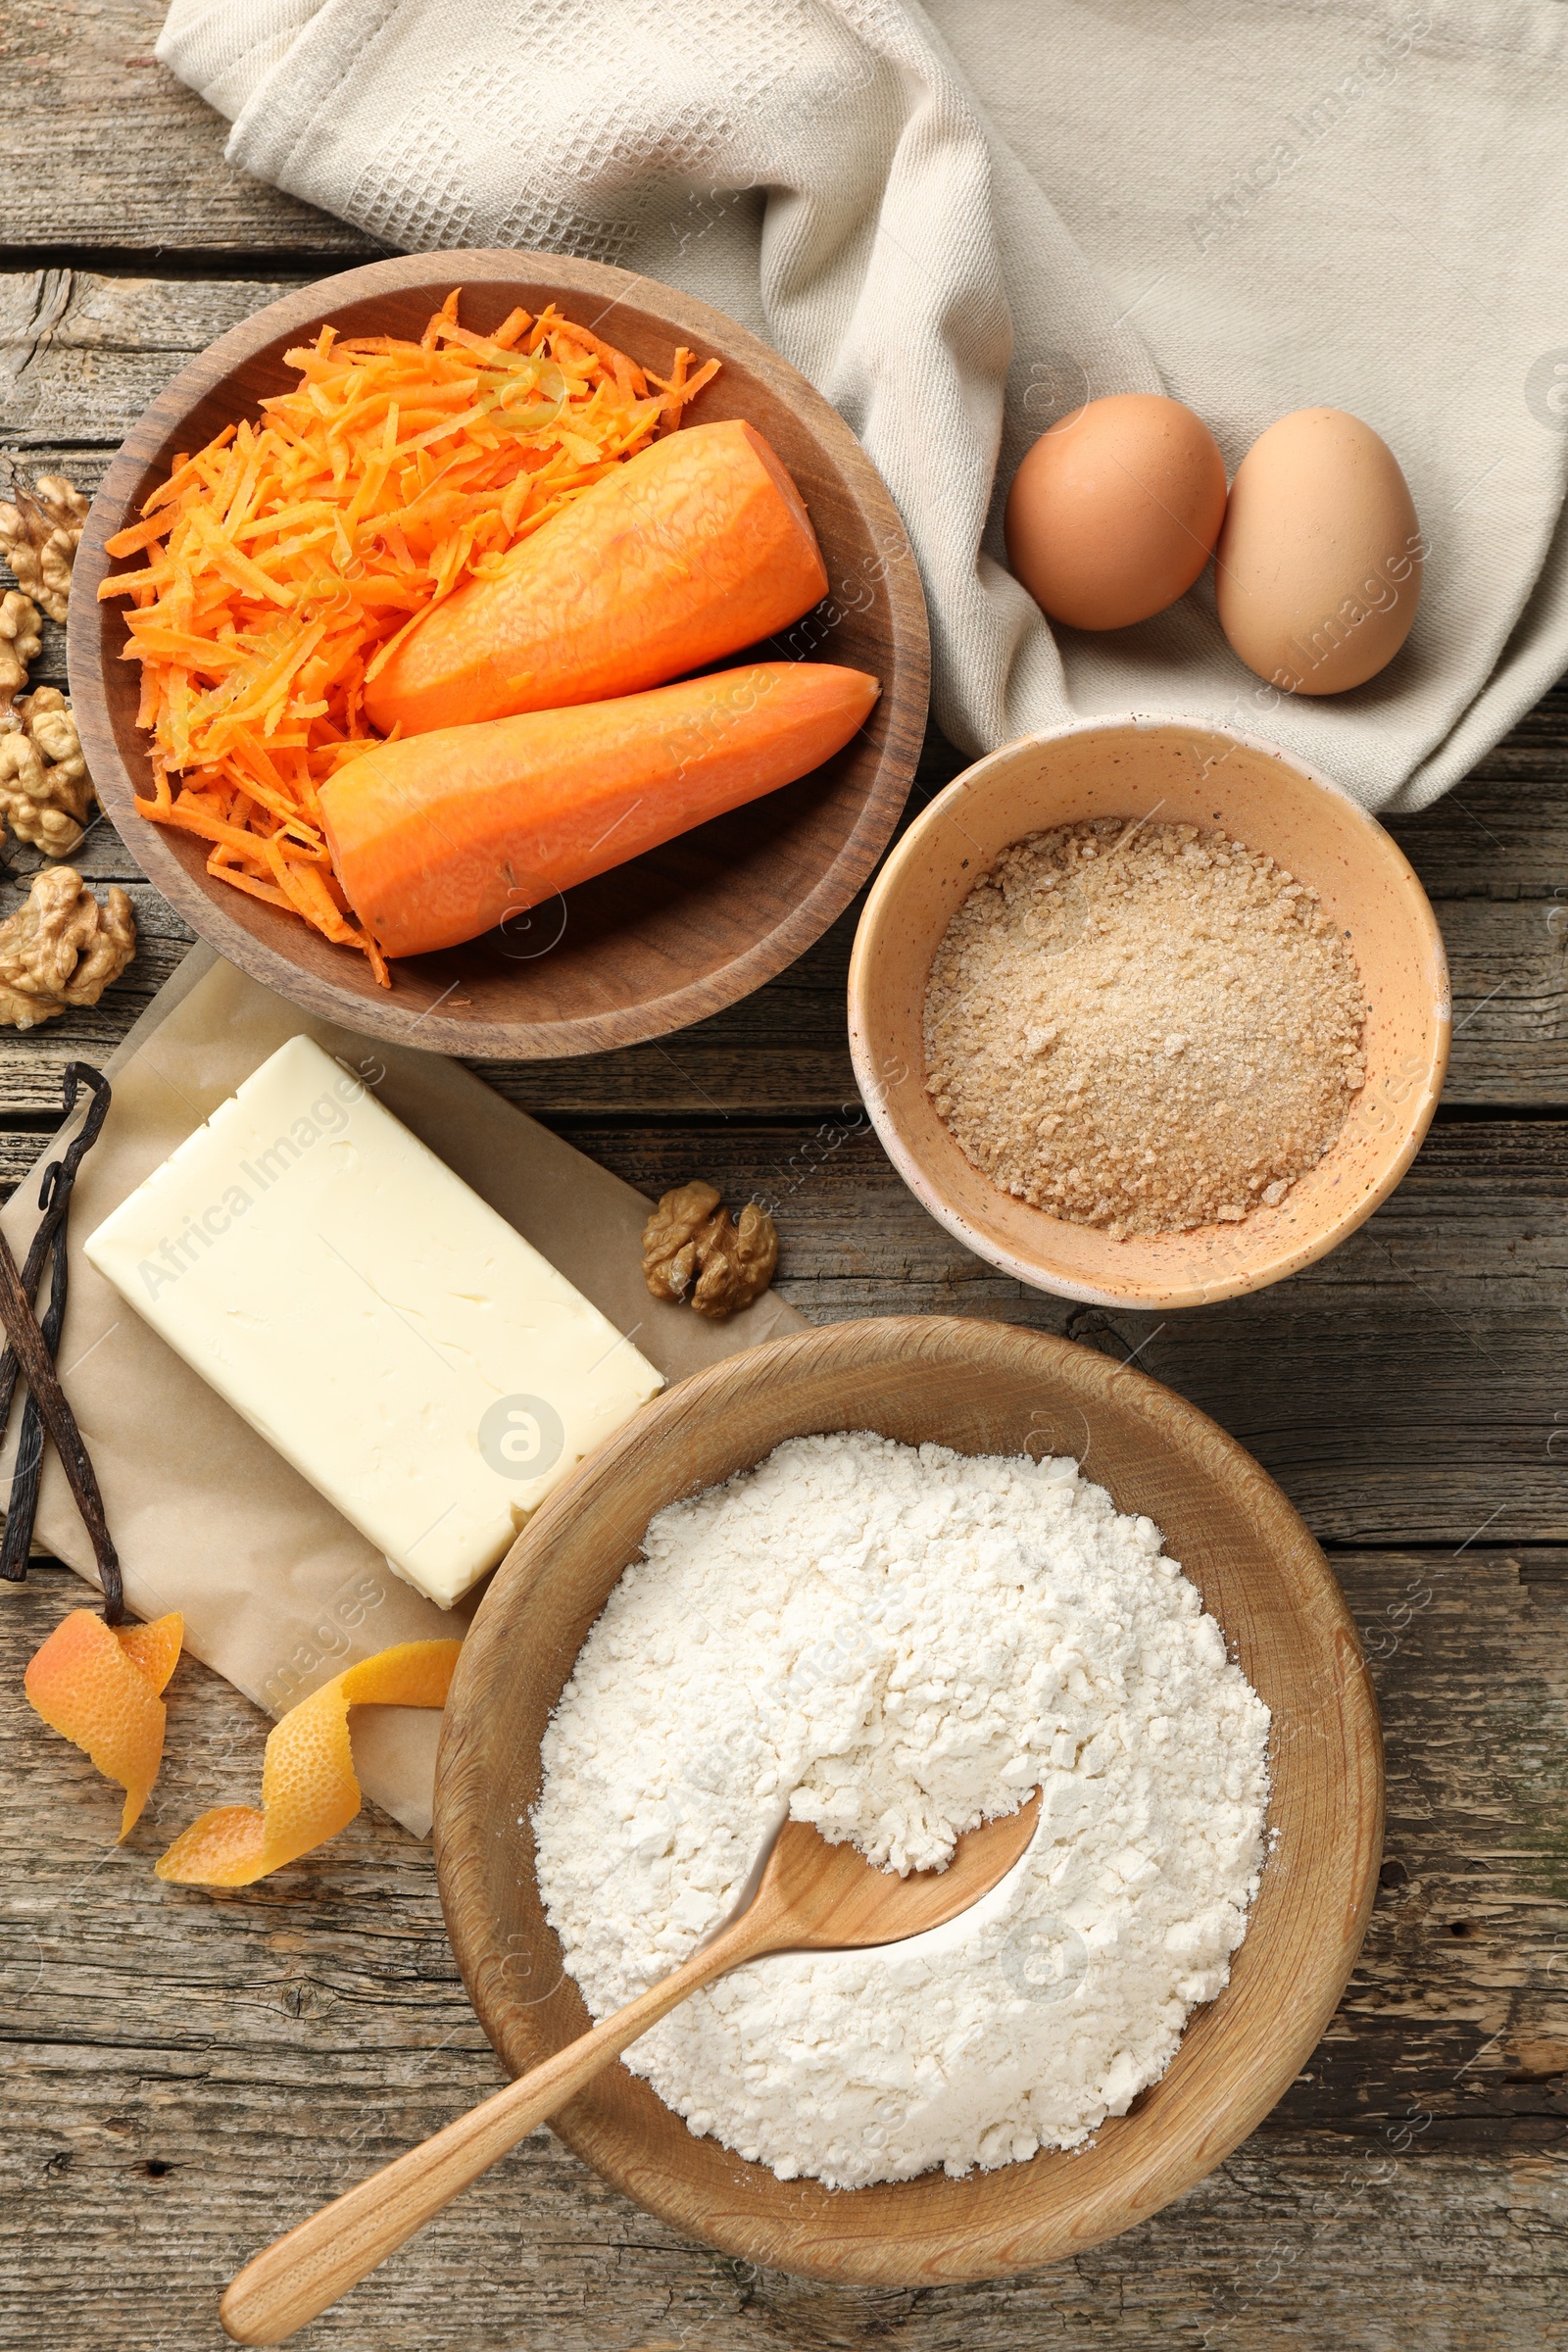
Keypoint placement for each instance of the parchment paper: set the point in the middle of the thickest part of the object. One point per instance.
(279, 1593)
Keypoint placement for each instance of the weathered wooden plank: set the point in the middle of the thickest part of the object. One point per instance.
(1510, 1000)
(1503, 833)
(189, 2073)
(1405, 1389)
(82, 354)
(1493, 857)
(1458, 2016)
(105, 148)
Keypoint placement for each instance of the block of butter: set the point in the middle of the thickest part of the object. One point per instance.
(395, 1339)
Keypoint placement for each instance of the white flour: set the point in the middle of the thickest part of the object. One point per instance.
(899, 1644)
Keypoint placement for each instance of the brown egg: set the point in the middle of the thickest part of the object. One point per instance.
(1114, 512)
(1317, 574)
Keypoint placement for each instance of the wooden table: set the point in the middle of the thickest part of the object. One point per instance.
(188, 2074)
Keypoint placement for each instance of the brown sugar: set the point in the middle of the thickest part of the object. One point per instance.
(1143, 1027)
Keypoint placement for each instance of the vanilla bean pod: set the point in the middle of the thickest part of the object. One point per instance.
(54, 1199)
(26, 1471)
(32, 1349)
(53, 1202)
(22, 1329)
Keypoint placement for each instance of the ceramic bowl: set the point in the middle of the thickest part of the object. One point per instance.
(1193, 772)
(980, 1387)
(670, 936)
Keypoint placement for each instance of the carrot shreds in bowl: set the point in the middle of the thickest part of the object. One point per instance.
(283, 562)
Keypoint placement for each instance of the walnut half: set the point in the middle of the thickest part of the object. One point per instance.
(40, 530)
(20, 642)
(61, 947)
(692, 1247)
(45, 791)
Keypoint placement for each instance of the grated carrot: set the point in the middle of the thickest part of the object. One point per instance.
(283, 563)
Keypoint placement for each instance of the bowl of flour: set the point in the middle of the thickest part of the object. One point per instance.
(889, 1578)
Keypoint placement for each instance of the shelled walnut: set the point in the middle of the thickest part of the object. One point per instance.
(40, 530)
(20, 643)
(45, 791)
(61, 947)
(690, 1235)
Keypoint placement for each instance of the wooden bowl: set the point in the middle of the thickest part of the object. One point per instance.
(670, 936)
(979, 1387)
(1191, 772)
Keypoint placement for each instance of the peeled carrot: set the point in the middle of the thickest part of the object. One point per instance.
(695, 548)
(437, 838)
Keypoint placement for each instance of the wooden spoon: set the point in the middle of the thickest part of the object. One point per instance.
(809, 1896)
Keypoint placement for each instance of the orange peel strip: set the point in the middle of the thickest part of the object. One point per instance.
(99, 1685)
(309, 1789)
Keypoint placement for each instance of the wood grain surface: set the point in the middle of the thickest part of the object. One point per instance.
(105, 150)
(186, 2075)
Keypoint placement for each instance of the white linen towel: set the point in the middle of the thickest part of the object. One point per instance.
(956, 219)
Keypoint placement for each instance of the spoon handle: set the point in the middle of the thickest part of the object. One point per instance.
(296, 2277)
